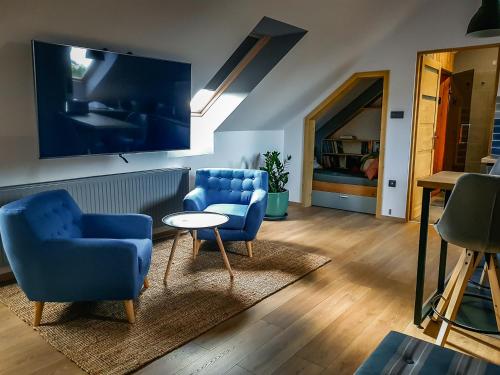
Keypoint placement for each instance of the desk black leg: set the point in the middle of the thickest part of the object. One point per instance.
(443, 254)
(422, 249)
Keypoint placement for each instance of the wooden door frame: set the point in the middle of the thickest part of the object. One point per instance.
(420, 65)
(310, 132)
(416, 101)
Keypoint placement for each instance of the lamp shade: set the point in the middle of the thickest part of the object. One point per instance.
(486, 21)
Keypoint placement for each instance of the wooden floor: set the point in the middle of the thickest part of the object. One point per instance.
(326, 323)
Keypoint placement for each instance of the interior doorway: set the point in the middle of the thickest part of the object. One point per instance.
(344, 136)
(455, 99)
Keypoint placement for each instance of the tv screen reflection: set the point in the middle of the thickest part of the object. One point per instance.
(100, 102)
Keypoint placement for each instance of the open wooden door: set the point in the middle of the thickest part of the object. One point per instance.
(427, 109)
(458, 120)
(442, 122)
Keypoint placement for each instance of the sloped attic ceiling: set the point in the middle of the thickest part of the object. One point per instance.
(206, 32)
(356, 90)
(339, 32)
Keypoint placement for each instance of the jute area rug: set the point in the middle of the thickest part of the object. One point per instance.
(199, 295)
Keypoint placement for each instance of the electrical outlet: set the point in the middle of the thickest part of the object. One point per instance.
(392, 183)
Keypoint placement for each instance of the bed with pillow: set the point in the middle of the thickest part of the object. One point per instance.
(346, 189)
(343, 177)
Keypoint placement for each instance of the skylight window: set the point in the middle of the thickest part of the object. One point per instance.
(226, 75)
(201, 99)
(80, 64)
(255, 57)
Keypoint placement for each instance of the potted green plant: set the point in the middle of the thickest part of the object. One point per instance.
(277, 200)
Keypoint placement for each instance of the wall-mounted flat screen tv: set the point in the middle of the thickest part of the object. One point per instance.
(100, 102)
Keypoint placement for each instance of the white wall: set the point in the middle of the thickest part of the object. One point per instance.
(236, 149)
(366, 125)
(239, 149)
(294, 146)
(435, 25)
(344, 36)
(182, 31)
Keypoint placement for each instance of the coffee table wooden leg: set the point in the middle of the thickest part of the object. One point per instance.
(194, 233)
(223, 252)
(171, 257)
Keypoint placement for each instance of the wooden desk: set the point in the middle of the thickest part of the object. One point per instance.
(446, 181)
(487, 163)
(489, 160)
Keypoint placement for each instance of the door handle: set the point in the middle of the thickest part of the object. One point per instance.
(343, 196)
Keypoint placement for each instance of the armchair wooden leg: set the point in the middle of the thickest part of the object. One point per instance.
(129, 310)
(38, 313)
(146, 282)
(198, 244)
(249, 245)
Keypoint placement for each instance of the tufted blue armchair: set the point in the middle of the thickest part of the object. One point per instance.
(241, 194)
(59, 254)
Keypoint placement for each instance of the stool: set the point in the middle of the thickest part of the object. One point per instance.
(470, 220)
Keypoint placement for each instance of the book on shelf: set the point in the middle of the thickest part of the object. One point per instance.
(343, 162)
(340, 153)
(364, 148)
(340, 147)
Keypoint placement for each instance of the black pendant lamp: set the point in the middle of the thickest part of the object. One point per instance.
(486, 21)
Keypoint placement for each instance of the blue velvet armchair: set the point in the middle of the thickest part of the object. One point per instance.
(241, 194)
(59, 254)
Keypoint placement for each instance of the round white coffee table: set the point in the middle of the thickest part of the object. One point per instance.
(193, 221)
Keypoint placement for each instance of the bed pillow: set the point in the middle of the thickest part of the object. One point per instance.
(372, 170)
(366, 163)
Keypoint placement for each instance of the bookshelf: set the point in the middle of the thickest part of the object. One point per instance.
(341, 153)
